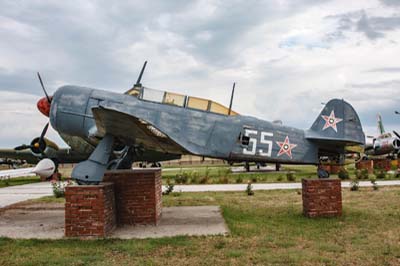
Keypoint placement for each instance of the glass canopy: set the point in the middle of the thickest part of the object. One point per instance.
(180, 100)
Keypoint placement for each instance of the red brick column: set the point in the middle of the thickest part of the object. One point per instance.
(138, 195)
(322, 197)
(90, 210)
(365, 164)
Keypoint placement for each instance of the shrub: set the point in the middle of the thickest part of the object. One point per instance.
(182, 178)
(354, 185)
(343, 174)
(254, 179)
(170, 187)
(223, 180)
(290, 177)
(380, 174)
(195, 177)
(249, 189)
(374, 184)
(204, 180)
(59, 188)
(362, 174)
(239, 179)
(279, 178)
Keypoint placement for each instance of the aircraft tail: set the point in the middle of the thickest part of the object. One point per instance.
(337, 124)
(381, 129)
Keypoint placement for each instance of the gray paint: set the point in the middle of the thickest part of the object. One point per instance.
(90, 114)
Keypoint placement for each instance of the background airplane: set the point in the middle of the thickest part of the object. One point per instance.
(384, 144)
(170, 123)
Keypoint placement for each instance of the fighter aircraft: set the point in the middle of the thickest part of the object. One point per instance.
(384, 143)
(171, 124)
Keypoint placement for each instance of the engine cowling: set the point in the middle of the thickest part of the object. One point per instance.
(46, 146)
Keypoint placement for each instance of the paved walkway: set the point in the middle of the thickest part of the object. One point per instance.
(269, 186)
(15, 194)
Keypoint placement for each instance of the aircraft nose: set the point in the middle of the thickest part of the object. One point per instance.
(44, 106)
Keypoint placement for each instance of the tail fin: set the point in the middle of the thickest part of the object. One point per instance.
(337, 123)
(381, 129)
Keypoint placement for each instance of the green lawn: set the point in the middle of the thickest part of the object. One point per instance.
(266, 229)
(19, 181)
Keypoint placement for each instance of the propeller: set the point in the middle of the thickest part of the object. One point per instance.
(44, 90)
(38, 145)
(397, 134)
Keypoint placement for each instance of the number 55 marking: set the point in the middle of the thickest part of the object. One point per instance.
(265, 141)
(253, 141)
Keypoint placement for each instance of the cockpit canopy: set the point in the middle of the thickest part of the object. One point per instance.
(180, 100)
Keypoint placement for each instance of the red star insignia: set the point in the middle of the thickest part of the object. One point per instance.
(286, 147)
(331, 121)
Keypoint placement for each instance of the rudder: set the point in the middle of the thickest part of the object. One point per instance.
(338, 121)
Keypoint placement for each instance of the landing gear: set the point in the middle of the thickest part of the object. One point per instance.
(322, 173)
(247, 167)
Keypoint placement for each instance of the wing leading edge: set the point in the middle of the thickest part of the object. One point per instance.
(134, 131)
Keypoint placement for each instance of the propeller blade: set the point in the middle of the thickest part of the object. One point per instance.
(397, 134)
(22, 147)
(44, 132)
(44, 90)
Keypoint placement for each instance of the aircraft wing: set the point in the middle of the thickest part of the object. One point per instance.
(133, 130)
(62, 156)
(24, 155)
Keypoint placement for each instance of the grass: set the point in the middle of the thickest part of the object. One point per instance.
(19, 181)
(266, 229)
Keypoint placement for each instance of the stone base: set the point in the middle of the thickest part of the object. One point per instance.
(365, 164)
(89, 210)
(138, 195)
(322, 197)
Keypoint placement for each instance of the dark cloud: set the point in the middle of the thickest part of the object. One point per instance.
(391, 2)
(373, 27)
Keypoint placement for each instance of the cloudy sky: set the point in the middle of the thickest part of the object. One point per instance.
(287, 57)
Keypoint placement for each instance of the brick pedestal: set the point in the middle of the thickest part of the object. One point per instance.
(137, 194)
(365, 164)
(322, 197)
(89, 210)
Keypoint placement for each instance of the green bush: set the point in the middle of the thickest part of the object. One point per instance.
(223, 180)
(239, 179)
(290, 177)
(362, 174)
(374, 184)
(354, 185)
(249, 189)
(343, 174)
(380, 174)
(254, 179)
(279, 178)
(170, 188)
(204, 180)
(182, 178)
(195, 179)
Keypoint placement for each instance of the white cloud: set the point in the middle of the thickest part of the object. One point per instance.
(286, 56)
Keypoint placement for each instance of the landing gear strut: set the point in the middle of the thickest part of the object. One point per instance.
(322, 173)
